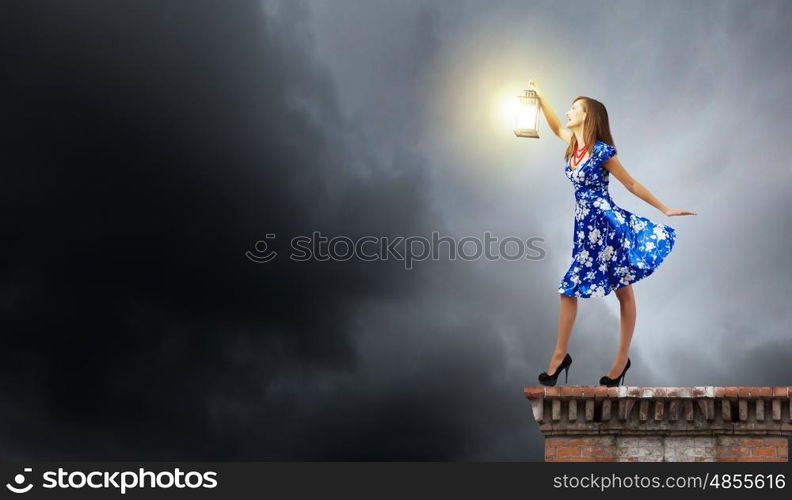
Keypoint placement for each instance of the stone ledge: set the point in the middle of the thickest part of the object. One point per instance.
(703, 423)
(704, 410)
(601, 391)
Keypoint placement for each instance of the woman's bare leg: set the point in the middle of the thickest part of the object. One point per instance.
(626, 327)
(566, 318)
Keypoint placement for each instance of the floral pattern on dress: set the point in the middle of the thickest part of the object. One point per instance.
(612, 247)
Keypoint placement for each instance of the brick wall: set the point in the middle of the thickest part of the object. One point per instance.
(758, 449)
(580, 449)
(663, 424)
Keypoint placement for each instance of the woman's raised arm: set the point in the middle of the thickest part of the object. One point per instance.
(552, 120)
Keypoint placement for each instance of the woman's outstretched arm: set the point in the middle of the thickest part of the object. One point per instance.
(614, 166)
(550, 116)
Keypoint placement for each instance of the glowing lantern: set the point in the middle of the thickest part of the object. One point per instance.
(526, 118)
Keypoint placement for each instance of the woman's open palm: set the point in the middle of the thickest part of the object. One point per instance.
(676, 211)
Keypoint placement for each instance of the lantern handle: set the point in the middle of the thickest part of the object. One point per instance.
(532, 91)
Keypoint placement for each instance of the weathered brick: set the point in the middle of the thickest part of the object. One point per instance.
(643, 410)
(726, 410)
(606, 410)
(760, 409)
(733, 451)
(534, 392)
(589, 410)
(603, 451)
(764, 451)
(749, 441)
(698, 392)
(757, 459)
(673, 410)
(566, 391)
(555, 409)
(634, 392)
(686, 424)
(659, 412)
(688, 410)
(742, 409)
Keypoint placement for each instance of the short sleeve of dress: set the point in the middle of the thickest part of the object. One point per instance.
(606, 152)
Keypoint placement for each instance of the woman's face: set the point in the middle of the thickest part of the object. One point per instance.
(575, 115)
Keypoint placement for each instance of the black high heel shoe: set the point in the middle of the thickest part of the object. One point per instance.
(550, 380)
(613, 382)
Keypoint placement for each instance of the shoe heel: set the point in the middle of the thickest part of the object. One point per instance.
(624, 374)
(550, 380)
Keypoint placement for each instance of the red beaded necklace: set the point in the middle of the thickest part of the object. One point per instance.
(579, 154)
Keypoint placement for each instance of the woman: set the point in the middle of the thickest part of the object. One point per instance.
(612, 248)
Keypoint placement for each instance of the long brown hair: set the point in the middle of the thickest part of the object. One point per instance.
(595, 126)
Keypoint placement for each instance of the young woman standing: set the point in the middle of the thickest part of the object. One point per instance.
(612, 247)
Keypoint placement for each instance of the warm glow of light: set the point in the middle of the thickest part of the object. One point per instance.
(473, 105)
(525, 116)
(510, 107)
(515, 114)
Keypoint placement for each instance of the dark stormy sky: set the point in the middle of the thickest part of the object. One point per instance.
(146, 146)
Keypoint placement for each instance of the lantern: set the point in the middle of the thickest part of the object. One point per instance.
(526, 118)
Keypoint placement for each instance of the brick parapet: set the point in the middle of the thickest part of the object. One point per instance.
(675, 423)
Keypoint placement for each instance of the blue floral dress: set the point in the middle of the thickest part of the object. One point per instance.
(612, 247)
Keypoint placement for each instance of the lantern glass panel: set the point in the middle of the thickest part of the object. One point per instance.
(526, 119)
